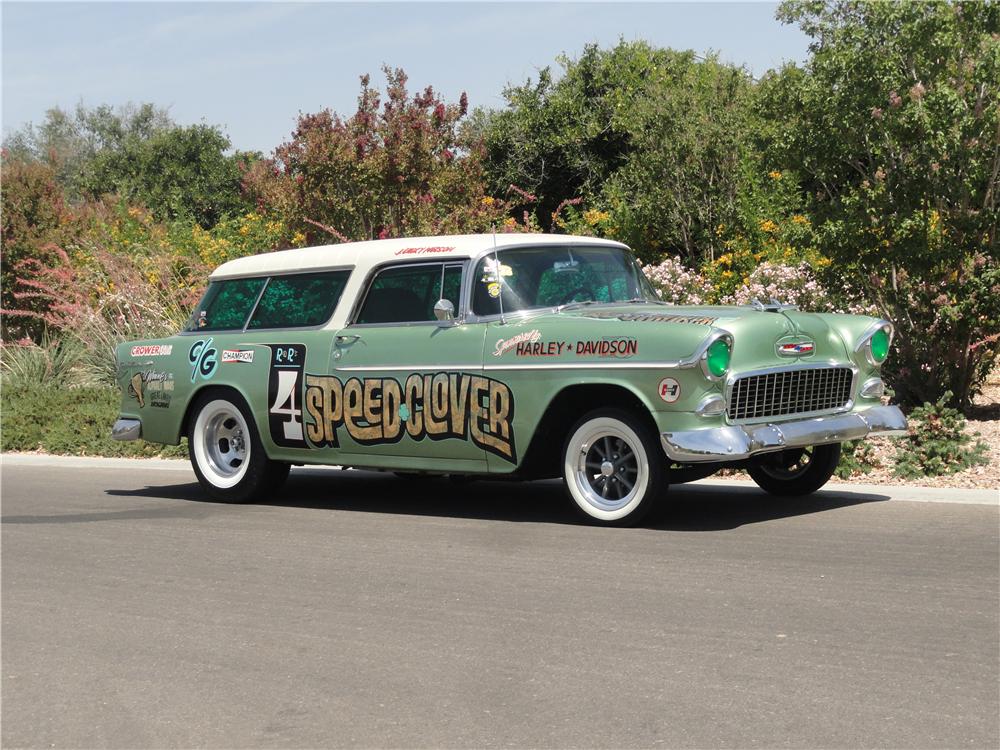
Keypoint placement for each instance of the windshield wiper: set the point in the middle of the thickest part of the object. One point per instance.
(574, 305)
(643, 300)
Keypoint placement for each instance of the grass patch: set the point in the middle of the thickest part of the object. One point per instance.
(69, 421)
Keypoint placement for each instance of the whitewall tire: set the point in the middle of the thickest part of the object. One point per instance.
(613, 467)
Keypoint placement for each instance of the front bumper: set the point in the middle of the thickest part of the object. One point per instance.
(126, 429)
(737, 442)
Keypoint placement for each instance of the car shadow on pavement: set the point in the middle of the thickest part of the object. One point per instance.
(698, 507)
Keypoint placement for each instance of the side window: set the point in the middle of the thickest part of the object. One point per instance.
(226, 305)
(407, 294)
(451, 286)
(299, 301)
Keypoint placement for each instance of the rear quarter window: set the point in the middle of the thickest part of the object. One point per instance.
(226, 305)
(299, 301)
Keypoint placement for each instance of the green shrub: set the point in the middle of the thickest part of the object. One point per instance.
(857, 457)
(937, 443)
(54, 363)
(75, 421)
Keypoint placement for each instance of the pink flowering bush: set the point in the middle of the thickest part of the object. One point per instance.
(791, 284)
(679, 285)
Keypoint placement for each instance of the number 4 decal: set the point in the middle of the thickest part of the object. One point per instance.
(284, 399)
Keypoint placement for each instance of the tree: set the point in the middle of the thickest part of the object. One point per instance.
(179, 173)
(69, 142)
(653, 140)
(33, 216)
(893, 129)
(138, 153)
(389, 170)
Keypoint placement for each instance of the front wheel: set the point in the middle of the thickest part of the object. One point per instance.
(799, 471)
(226, 452)
(613, 467)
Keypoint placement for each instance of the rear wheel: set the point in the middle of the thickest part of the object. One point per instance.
(226, 452)
(800, 471)
(613, 467)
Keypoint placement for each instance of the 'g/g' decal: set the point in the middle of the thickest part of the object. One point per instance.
(203, 359)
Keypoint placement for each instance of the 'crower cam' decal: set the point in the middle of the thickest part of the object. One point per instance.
(284, 400)
(442, 406)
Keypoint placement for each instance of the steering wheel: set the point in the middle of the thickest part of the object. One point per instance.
(585, 287)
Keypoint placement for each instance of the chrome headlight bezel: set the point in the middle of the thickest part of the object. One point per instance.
(726, 338)
(863, 346)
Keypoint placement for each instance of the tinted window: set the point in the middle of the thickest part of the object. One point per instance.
(407, 294)
(226, 305)
(300, 300)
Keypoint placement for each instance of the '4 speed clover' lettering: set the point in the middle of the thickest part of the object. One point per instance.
(439, 406)
(284, 385)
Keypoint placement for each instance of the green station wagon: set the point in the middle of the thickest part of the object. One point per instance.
(518, 356)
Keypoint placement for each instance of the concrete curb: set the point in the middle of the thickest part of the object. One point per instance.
(889, 492)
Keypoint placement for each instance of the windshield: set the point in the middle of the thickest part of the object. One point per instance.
(526, 278)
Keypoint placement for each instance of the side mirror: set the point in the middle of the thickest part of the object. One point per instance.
(444, 310)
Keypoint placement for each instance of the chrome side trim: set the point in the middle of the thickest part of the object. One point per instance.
(126, 429)
(547, 366)
(735, 443)
(410, 368)
(592, 366)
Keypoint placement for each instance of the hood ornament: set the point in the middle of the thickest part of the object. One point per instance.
(795, 348)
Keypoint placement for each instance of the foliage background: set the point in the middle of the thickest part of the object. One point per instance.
(864, 180)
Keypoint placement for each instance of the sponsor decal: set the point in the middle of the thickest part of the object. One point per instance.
(670, 390)
(613, 347)
(505, 345)
(425, 250)
(702, 320)
(135, 389)
(204, 359)
(796, 348)
(442, 406)
(284, 386)
(542, 349)
(237, 355)
(152, 350)
(153, 387)
(529, 344)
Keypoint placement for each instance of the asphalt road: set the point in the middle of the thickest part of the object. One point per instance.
(364, 610)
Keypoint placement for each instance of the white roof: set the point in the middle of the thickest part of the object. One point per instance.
(365, 255)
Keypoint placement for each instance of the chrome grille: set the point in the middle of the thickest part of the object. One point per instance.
(787, 392)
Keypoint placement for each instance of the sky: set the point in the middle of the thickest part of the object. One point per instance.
(251, 68)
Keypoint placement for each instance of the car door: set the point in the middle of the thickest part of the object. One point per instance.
(412, 386)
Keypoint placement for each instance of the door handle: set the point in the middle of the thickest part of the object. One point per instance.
(345, 340)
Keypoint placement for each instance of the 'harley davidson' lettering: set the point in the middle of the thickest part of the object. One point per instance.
(440, 406)
(608, 347)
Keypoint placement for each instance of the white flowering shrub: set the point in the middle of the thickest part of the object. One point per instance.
(790, 284)
(677, 284)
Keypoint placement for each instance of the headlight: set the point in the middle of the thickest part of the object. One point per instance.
(875, 342)
(879, 345)
(715, 361)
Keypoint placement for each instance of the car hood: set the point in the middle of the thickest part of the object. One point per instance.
(760, 336)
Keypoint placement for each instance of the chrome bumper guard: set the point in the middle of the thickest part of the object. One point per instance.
(736, 442)
(126, 429)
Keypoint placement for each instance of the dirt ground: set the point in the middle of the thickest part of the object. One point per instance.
(985, 421)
